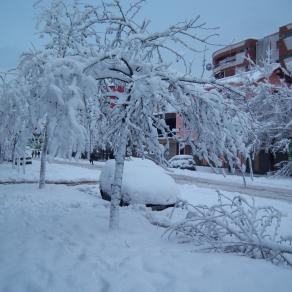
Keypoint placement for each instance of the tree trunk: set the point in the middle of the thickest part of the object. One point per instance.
(42, 180)
(23, 162)
(13, 158)
(117, 184)
(18, 164)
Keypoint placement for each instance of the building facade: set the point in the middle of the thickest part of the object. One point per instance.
(231, 60)
(231, 65)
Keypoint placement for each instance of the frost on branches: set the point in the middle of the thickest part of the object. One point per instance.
(14, 115)
(235, 226)
(70, 89)
(140, 63)
(56, 90)
(271, 108)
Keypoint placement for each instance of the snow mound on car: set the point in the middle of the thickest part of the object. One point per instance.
(144, 182)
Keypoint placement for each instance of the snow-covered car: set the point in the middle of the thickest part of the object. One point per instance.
(144, 182)
(182, 162)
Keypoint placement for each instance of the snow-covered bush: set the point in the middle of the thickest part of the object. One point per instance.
(235, 226)
(144, 182)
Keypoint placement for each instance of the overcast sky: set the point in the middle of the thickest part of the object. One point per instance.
(236, 19)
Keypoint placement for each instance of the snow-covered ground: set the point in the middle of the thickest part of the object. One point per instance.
(80, 170)
(57, 239)
(56, 172)
(207, 173)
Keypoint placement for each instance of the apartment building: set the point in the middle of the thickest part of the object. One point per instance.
(230, 66)
(231, 60)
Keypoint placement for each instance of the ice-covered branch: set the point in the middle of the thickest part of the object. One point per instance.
(235, 225)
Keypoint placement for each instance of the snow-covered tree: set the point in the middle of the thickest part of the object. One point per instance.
(67, 28)
(141, 63)
(15, 129)
(270, 102)
(58, 92)
(56, 89)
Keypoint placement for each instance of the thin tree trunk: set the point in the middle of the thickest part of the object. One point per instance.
(90, 146)
(23, 162)
(250, 167)
(117, 184)
(18, 164)
(89, 150)
(13, 154)
(42, 180)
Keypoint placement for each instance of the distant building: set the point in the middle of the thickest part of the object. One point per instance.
(231, 59)
(231, 66)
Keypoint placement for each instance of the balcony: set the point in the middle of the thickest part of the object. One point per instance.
(228, 62)
(228, 48)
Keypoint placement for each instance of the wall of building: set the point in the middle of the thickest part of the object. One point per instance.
(268, 47)
(229, 61)
(232, 59)
(285, 46)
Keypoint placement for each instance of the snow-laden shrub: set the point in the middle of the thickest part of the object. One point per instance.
(235, 226)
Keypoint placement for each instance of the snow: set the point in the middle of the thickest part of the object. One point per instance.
(183, 162)
(144, 182)
(57, 239)
(77, 171)
(205, 196)
(284, 183)
(66, 171)
(251, 76)
(182, 156)
(55, 173)
(79, 162)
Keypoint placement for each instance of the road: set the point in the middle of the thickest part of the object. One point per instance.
(252, 190)
(224, 185)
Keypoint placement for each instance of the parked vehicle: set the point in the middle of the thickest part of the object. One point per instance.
(183, 162)
(144, 182)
